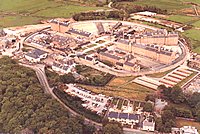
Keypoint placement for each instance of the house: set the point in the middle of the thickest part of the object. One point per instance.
(124, 118)
(64, 67)
(185, 130)
(134, 118)
(148, 125)
(36, 55)
(112, 116)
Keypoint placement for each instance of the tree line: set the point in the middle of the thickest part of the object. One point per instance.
(24, 107)
(101, 15)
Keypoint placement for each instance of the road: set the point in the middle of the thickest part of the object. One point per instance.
(40, 72)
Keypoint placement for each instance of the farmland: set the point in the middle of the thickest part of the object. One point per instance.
(170, 5)
(22, 12)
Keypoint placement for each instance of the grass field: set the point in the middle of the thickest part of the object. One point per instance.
(181, 123)
(194, 1)
(193, 35)
(21, 12)
(164, 4)
(197, 24)
(182, 18)
(117, 87)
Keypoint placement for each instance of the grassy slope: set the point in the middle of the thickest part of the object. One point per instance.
(117, 87)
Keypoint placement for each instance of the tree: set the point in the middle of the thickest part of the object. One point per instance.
(150, 97)
(148, 107)
(198, 115)
(194, 99)
(176, 95)
(159, 125)
(26, 108)
(112, 128)
(67, 78)
(167, 115)
(89, 129)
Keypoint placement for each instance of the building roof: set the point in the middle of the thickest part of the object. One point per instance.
(123, 41)
(113, 114)
(129, 64)
(100, 28)
(89, 58)
(148, 124)
(117, 25)
(134, 116)
(123, 115)
(79, 32)
(36, 53)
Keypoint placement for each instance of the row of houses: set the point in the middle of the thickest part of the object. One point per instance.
(124, 118)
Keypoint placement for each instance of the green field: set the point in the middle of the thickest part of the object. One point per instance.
(197, 24)
(193, 35)
(164, 4)
(21, 12)
(182, 18)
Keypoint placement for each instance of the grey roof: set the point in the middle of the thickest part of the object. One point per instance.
(36, 53)
(89, 58)
(134, 116)
(117, 25)
(129, 64)
(119, 63)
(123, 41)
(113, 115)
(123, 115)
(65, 68)
(56, 64)
(100, 28)
(79, 32)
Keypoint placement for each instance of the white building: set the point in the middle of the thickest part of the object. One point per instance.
(148, 125)
(36, 55)
(188, 130)
(146, 13)
(185, 130)
(63, 68)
